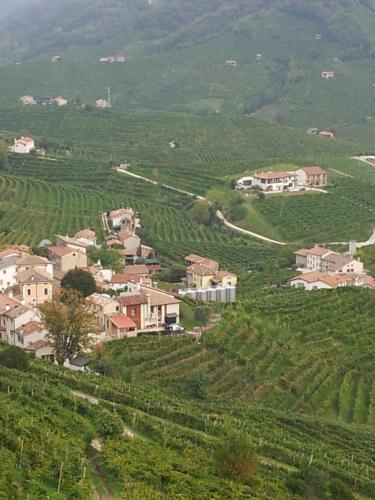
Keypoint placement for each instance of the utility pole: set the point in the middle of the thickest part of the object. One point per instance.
(108, 89)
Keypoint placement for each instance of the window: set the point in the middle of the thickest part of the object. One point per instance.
(46, 291)
(29, 292)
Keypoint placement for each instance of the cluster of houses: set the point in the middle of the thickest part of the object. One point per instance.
(206, 282)
(274, 181)
(28, 100)
(322, 268)
(125, 304)
(113, 59)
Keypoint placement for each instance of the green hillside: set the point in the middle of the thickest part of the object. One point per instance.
(140, 442)
(179, 64)
(304, 353)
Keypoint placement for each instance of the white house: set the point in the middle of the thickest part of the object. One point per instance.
(102, 104)
(61, 101)
(274, 181)
(316, 280)
(28, 100)
(328, 74)
(335, 263)
(244, 183)
(23, 145)
(231, 62)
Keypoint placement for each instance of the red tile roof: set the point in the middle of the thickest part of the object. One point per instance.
(318, 251)
(314, 170)
(121, 321)
(61, 251)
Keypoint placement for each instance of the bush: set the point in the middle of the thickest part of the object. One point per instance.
(14, 357)
(235, 458)
(79, 280)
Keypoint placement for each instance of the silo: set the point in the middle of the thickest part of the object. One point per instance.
(202, 295)
(221, 294)
(231, 294)
(211, 294)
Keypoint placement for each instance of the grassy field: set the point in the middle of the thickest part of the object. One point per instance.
(305, 353)
(173, 439)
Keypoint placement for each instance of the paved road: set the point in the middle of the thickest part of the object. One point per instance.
(218, 213)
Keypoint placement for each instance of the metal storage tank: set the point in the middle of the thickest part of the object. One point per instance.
(211, 294)
(231, 294)
(221, 294)
(202, 295)
(191, 293)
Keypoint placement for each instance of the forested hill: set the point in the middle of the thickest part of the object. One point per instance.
(161, 24)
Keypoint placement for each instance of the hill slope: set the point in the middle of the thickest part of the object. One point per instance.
(137, 436)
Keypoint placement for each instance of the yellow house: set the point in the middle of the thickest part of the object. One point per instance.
(36, 287)
(204, 273)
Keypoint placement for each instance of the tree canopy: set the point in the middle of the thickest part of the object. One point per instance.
(79, 280)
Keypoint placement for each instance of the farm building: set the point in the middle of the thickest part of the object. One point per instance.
(311, 176)
(274, 181)
(23, 145)
(28, 100)
(327, 74)
(102, 104)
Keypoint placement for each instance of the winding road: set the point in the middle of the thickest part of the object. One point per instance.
(219, 214)
(233, 227)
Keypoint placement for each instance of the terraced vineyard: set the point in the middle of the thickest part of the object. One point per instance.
(141, 435)
(347, 212)
(34, 210)
(306, 353)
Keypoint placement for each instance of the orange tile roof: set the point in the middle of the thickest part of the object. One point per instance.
(324, 278)
(318, 251)
(158, 297)
(314, 170)
(121, 321)
(60, 250)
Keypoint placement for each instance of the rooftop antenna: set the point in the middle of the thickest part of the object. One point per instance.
(108, 89)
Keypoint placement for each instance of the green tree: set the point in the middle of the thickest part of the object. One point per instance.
(109, 257)
(202, 314)
(69, 323)
(14, 357)
(79, 280)
(235, 458)
(3, 156)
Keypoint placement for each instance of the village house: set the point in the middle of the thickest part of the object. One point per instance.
(61, 101)
(311, 176)
(325, 260)
(275, 181)
(127, 282)
(204, 273)
(259, 57)
(119, 326)
(136, 306)
(66, 258)
(335, 263)
(164, 308)
(328, 134)
(317, 280)
(23, 145)
(231, 62)
(36, 288)
(123, 218)
(131, 243)
(102, 104)
(28, 100)
(13, 315)
(13, 262)
(81, 241)
(56, 59)
(327, 74)
(102, 305)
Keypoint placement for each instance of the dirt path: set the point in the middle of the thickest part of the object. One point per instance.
(106, 492)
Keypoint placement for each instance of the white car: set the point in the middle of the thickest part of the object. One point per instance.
(175, 328)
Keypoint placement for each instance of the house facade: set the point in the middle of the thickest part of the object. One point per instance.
(274, 181)
(36, 287)
(312, 176)
(66, 258)
(23, 145)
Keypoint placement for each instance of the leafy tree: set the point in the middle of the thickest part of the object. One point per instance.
(109, 257)
(79, 280)
(235, 458)
(202, 314)
(14, 357)
(69, 323)
(201, 212)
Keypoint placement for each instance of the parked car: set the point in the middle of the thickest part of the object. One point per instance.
(175, 328)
